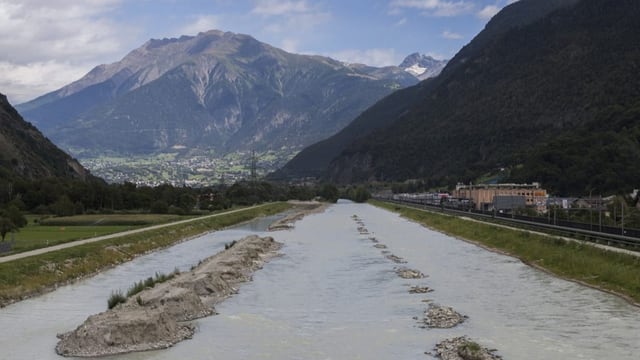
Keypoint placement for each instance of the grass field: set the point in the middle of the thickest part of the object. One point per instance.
(607, 270)
(41, 233)
(39, 236)
(33, 275)
(111, 219)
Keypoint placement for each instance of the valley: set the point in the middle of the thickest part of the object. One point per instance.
(195, 169)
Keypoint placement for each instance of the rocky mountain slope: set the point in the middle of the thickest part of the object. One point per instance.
(548, 91)
(215, 91)
(26, 154)
(422, 66)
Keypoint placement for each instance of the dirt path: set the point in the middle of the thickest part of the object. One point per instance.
(111, 236)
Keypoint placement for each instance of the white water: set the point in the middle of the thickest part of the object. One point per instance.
(332, 295)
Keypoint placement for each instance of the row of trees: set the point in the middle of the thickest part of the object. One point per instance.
(64, 197)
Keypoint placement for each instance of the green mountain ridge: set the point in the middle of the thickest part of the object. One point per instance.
(549, 95)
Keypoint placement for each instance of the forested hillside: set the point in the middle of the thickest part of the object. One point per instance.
(25, 153)
(553, 99)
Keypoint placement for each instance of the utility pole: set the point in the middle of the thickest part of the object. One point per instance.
(600, 213)
(590, 211)
(254, 173)
(622, 220)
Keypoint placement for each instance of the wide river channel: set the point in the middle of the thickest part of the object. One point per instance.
(333, 295)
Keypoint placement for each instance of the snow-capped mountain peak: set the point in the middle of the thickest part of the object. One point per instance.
(423, 66)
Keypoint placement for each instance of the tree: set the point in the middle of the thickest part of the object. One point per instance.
(11, 219)
(6, 226)
(329, 192)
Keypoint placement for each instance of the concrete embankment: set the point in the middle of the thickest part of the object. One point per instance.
(158, 317)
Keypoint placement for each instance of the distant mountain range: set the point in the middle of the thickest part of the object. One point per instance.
(217, 91)
(26, 154)
(547, 92)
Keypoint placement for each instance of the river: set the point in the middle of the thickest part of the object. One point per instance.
(332, 295)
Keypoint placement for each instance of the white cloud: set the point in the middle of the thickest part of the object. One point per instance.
(24, 81)
(297, 23)
(279, 7)
(290, 45)
(373, 57)
(201, 23)
(32, 32)
(440, 8)
(451, 35)
(401, 22)
(488, 12)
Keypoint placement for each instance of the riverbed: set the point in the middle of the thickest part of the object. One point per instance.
(333, 295)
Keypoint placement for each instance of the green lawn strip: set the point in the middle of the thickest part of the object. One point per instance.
(54, 231)
(32, 275)
(39, 236)
(607, 270)
(111, 219)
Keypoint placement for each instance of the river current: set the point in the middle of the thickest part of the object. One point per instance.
(333, 295)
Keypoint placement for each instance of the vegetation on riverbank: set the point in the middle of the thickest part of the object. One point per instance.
(607, 270)
(117, 297)
(33, 275)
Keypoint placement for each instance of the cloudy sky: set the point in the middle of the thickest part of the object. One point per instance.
(47, 44)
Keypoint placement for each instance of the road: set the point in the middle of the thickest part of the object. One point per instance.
(111, 236)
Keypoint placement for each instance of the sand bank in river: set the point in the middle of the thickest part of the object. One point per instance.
(158, 317)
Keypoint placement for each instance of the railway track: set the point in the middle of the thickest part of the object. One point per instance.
(628, 239)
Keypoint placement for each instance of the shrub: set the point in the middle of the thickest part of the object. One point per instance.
(470, 351)
(116, 298)
(136, 288)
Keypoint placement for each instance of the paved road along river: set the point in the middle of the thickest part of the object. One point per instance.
(333, 295)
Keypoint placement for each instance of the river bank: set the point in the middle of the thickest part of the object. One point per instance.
(607, 271)
(35, 275)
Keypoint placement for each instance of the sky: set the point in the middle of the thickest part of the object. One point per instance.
(46, 44)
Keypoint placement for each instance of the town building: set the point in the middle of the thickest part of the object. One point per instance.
(507, 197)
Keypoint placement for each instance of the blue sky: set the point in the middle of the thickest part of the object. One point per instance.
(50, 43)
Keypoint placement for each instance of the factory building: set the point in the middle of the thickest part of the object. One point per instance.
(504, 197)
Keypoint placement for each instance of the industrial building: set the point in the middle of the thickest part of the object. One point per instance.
(504, 197)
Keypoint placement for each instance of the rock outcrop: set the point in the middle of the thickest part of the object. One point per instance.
(461, 348)
(441, 317)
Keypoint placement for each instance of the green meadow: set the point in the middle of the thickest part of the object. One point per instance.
(43, 232)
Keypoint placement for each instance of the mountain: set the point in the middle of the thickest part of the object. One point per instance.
(25, 153)
(314, 159)
(422, 66)
(217, 91)
(547, 92)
